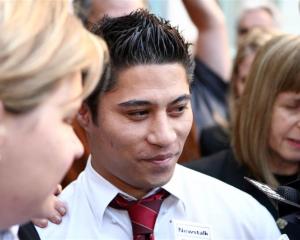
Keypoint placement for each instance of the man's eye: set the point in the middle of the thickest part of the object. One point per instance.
(138, 115)
(181, 108)
(178, 111)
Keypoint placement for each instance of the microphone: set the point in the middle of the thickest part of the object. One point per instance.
(284, 194)
(287, 198)
(289, 193)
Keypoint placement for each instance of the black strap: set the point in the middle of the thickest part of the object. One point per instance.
(28, 232)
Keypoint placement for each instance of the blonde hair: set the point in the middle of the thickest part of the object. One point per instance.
(42, 43)
(248, 45)
(275, 70)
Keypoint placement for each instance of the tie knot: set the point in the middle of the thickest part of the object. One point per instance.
(142, 213)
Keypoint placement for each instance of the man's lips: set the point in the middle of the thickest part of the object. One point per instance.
(160, 157)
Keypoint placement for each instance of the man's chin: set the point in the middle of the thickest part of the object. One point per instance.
(159, 181)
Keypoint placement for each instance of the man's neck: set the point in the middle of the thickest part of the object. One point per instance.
(133, 191)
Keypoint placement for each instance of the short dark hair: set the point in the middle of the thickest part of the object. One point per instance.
(136, 39)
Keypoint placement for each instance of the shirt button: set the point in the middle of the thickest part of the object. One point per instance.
(114, 221)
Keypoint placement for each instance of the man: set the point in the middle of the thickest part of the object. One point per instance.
(212, 65)
(113, 8)
(136, 122)
(262, 14)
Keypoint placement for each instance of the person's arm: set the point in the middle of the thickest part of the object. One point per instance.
(212, 46)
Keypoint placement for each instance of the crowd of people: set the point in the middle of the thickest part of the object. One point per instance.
(167, 129)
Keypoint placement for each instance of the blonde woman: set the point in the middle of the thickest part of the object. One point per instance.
(266, 136)
(48, 64)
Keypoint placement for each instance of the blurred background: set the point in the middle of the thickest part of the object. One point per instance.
(174, 11)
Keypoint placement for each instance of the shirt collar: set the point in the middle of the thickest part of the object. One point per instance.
(100, 197)
(10, 234)
(176, 186)
(14, 229)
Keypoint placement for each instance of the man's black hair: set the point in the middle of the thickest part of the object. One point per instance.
(136, 39)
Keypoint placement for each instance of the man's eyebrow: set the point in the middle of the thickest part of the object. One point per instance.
(185, 97)
(134, 103)
(137, 103)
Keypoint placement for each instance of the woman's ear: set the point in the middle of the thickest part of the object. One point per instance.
(84, 117)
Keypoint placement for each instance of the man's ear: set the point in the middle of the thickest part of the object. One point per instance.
(84, 117)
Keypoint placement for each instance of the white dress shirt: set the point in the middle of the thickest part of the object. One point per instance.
(199, 207)
(9, 234)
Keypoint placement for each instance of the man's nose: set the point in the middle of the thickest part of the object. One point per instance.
(162, 132)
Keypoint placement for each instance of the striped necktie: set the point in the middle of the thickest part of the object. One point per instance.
(142, 213)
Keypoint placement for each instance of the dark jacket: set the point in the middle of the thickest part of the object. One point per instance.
(224, 167)
(28, 232)
(209, 96)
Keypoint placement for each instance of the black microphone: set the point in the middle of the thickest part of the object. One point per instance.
(289, 193)
(287, 199)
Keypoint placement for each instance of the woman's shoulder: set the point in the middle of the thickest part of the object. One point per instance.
(222, 165)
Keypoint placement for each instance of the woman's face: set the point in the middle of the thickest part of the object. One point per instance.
(37, 148)
(285, 133)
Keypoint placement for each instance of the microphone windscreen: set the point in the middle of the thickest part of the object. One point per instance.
(289, 193)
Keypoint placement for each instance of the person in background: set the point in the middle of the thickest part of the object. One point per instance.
(262, 13)
(212, 64)
(137, 121)
(217, 138)
(49, 64)
(266, 131)
(213, 61)
(114, 8)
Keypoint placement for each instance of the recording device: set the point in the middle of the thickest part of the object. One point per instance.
(287, 198)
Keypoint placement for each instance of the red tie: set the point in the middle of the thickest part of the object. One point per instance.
(142, 213)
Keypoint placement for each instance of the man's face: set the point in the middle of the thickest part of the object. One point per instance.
(255, 18)
(113, 8)
(142, 127)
